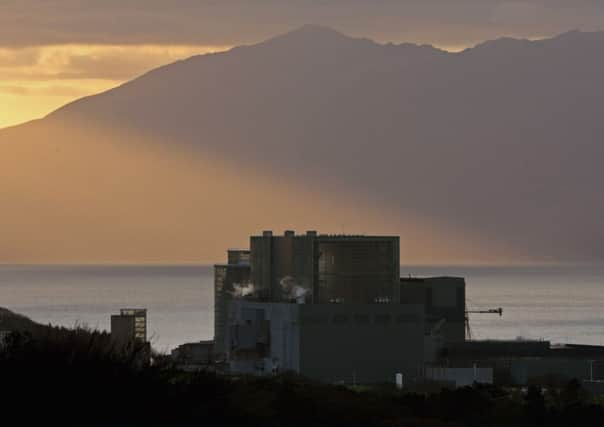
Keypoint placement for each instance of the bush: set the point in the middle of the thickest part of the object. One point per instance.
(68, 377)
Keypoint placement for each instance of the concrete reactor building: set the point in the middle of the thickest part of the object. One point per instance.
(325, 268)
(351, 343)
(324, 306)
(334, 308)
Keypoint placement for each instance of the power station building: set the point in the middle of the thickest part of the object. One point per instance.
(334, 308)
(350, 343)
(325, 268)
(325, 306)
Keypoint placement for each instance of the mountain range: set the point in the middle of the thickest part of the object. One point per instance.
(490, 155)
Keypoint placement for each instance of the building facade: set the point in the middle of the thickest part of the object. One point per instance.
(231, 280)
(444, 302)
(323, 268)
(332, 308)
(130, 326)
(349, 343)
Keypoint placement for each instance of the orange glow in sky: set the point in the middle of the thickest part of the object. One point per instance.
(37, 80)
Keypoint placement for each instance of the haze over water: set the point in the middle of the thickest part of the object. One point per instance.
(561, 304)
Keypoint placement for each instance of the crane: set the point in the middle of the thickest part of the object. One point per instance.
(498, 310)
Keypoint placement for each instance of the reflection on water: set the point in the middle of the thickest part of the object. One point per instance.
(562, 304)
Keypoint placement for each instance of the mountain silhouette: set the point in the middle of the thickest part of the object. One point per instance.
(489, 154)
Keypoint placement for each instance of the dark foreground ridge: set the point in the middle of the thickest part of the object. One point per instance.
(75, 377)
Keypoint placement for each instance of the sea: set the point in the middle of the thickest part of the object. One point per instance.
(562, 304)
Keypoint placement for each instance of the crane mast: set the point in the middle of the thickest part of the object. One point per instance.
(498, 310)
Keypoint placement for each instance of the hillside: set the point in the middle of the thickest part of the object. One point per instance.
(10, 321)
(488, 155)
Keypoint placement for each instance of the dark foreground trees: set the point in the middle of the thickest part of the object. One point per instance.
(76, 377)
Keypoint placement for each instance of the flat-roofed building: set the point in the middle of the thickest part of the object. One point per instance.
(522, 361)
(444, 302)
(362, 343)
(130, 326)
(194, 355)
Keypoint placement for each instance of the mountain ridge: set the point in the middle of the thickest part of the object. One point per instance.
(493, 147)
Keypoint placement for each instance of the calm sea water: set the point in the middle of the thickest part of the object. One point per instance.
(561, 304)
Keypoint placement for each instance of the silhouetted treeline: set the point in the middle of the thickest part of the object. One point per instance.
(75, 377)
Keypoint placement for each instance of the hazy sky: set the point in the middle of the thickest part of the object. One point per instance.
(54, 51)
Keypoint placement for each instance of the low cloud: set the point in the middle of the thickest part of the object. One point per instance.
(108, 62)
(36, 80)
(195, 22)
(53, 90)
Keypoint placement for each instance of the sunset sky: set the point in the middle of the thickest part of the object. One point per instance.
(55, 51)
